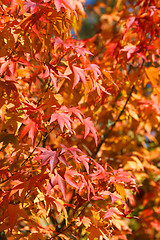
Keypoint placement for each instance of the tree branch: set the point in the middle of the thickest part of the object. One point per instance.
(108, 131)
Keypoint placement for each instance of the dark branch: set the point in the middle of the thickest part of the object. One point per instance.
(108, 131)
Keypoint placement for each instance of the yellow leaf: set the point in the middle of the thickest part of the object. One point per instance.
(152, 74)
(20, 4)
(83, 220)
(120, 189)
(104, 235)
(60, 205)
(138, 163)
(64, 237)
(120, 224)
(133, 113)
(96, 215)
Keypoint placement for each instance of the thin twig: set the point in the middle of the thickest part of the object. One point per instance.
(108, 131)
(28, 158)
(44, 140)
(73, 222)
(32, 152)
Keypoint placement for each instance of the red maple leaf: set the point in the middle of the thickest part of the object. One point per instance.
(73, 151)
(63, 119)
(69, 177)
(130, 49)
(90, 127)
(57, 180)
(51, 156)
(79, 74)
(73, 110)
(31, 127)
(96, 71)
(82, 158)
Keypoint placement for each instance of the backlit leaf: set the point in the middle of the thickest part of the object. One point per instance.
(120, 189)
(90, 127)
(79, 74)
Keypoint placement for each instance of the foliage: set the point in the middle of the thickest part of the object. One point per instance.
(79, 120)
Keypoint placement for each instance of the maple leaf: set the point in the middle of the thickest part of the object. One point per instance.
(79, 74)
(130, 49)
(130, 22)
(96, 71)
(16, 4)
(115, 197)
(31, 108)
(51, 156)
(111, 48)
(81, 51)
(100, 89)
(73, 150)
(57, 42)
(13, 212)
(122, 176)
(83, 158)
(93, 232)
(90, 127)
(28, 4)
(109, 213)
(85, 161)
(83, 220)
(57, 179)
(152, 75)
(80, 7)
(108, 75)
(31, 127)
(63, 119)
(120, 189)
(52, 182)
(69, 177)
(48, 156)
(62, 185)
(73, 110)
(53, 80)
(62, 3)
(53, 73)
(4, 66)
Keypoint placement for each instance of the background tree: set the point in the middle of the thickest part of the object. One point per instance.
(79, 120)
